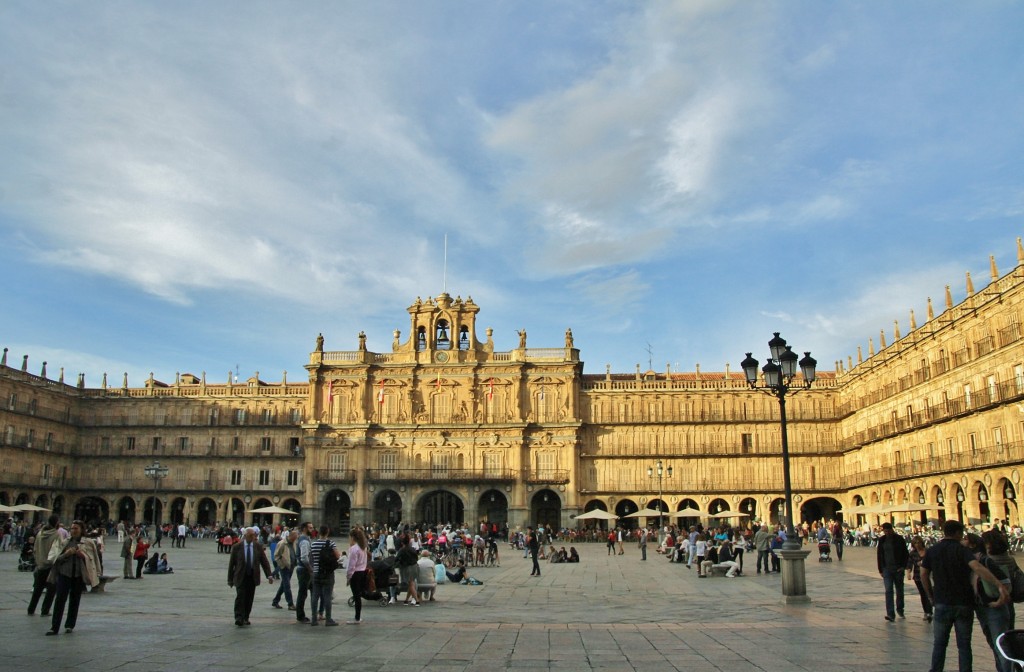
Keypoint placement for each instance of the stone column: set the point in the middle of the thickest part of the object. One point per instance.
(794, 577)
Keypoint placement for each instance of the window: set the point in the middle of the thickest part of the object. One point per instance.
(997, 438)
(46, 470)
(967, 396)
(31, 436)
(293, 477)
(129, 443)
(186, 415)
(1018, 377)
(213, 444)
(32, 407)
(266, 416)
(747, 442)
(9, 435)
(214, 415)
(293, 446)
(336, 465)
(235, 443)
(545, 466)
(264, 476)
(972, 442)
(387, 463)
(105, 444)
(183, 444)
(265, 444)
(236, 477)
(156, 444)
(12, 401)
(296, 416)
(492, 464)
(439, 464)
(49, 440)
(240, 416)
(993, 391)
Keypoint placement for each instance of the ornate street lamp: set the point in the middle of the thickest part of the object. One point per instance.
(780, 380)
(659, 470)
(157, 473)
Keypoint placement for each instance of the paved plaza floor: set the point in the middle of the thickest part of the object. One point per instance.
(608, 612)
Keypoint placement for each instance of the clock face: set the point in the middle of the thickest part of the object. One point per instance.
(441, 357)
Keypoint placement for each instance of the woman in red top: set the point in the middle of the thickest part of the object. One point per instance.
(141, 553)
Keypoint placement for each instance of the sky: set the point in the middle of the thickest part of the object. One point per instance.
(196, 186)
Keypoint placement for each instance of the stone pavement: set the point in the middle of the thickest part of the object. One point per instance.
(608, 612)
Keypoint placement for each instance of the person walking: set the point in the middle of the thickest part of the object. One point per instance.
(128, 551)
(946, 576)
(838, 538)
(406, 559)
(917, 551)
(324, 558)
(285, 557)
(75, 564)
(763, 545)
(41, 587)
(355, 573)
(247, 558)
(533, 544)
(892, 559)
(303, 570)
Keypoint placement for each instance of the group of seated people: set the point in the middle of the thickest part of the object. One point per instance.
(157, 564)
(560, 555)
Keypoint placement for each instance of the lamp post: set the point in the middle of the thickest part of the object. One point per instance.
(659, 470)
(156, 472)
(780, 380)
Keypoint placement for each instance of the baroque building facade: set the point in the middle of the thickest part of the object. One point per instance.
(445, 428)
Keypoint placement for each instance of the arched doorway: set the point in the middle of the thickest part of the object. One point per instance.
(777, 511)
(493, 507)
(821, 509)
(126, 510)
(623, 508)
(22, 499)
(262, 519)
(984, 511)
(92, 511)
(594, 505)
(546, 509)
(178, 510)
(206, 511)
(387, 508)
(658, 505)
(237, 512)
(292, 519)
(688, 521)
(4, 498)
(58, 505)
(147, 510)
(338, 511)
(748, 505)
(442, 507)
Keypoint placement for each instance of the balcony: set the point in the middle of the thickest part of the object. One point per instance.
(327, 476)
(547, 476)
(440, 475)
(1002, 455)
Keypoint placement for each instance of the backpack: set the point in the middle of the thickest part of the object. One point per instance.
(1016, 582)
(328, 561)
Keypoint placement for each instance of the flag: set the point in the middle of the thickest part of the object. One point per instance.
(490, 390)
(439, 380)
(380, 394)
(330, 392)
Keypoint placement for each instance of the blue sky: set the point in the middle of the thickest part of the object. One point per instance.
(203, 186)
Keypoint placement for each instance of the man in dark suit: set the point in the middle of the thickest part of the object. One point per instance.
(247, 557)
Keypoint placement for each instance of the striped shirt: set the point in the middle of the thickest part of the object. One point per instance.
(315, 549)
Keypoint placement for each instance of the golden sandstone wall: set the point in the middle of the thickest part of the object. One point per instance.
(444, 427)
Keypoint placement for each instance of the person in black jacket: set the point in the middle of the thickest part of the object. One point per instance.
(892, 564)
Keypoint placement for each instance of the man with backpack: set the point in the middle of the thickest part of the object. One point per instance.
(325, 558)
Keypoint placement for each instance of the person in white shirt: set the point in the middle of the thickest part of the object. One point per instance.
(182, 533)
(426, 579)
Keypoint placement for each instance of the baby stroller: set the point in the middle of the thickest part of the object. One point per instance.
(27, 561)
(824, 551)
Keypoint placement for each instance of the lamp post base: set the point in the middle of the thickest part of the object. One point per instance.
(794, 576)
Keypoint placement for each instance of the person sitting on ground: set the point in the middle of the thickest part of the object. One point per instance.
(162, 567)
(459, 575)
(552, 554)
(574, 556)
(562, 555)
(151, 564)
(426, 581)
